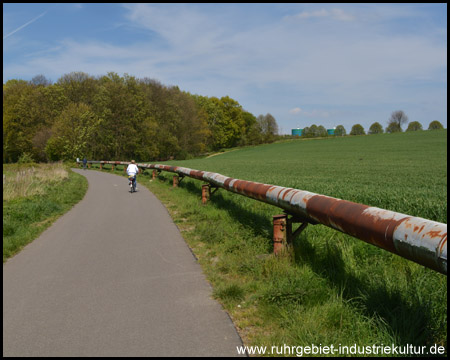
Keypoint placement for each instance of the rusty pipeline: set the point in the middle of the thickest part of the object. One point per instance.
(420, 240)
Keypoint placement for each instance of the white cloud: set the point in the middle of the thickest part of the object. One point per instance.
(313, 14)
(310, 114)
(181, 27)
(339, 14)
(335, 14)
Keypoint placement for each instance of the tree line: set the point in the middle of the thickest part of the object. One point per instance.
(121, 118)
(397, 119)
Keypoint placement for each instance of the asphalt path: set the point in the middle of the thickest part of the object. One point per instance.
(112, 277)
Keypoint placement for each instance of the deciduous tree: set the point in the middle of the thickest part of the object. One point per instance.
(73, 133)
(340, 131)
(375, 128)
(393, 128)
(357, 129)
(269, 127)
(414, 126)
(435, 125)
(398, 118)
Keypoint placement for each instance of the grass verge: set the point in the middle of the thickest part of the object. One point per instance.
(34, 196)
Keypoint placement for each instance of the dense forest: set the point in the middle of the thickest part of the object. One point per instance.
(114, 117)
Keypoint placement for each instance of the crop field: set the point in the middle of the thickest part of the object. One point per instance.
(405, 172)
(333, 289)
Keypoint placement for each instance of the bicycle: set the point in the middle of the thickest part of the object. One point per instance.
(132, 183)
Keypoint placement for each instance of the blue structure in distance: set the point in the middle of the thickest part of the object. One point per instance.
(298, 132)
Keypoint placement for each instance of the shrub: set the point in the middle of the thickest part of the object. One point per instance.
(357, 129)
(414, 126)
(25, 158)
(340, 131)
(375, 128)
(393, 127)
(435, 125)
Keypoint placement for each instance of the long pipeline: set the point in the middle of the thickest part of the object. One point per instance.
(420, 240)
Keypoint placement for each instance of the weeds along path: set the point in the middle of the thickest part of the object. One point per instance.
(112, 277)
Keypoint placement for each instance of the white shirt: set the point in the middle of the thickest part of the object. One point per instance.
(132, 169)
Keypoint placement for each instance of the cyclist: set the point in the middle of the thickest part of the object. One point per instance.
(133, 170)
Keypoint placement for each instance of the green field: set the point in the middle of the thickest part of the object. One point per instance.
(334, 289)
(401, 172)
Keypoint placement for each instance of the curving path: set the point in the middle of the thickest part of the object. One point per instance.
(112, 277)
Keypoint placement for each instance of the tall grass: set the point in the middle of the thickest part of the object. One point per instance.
(34, 196)
(25, 181)
(333, 289)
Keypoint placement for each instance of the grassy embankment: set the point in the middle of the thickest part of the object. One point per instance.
(34, 196)
(335, 289)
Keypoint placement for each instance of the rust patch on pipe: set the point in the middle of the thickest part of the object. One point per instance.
(352, 219)
(433, 234)
(196, 174)
(252, 189)
(227, 182)
(286, 192)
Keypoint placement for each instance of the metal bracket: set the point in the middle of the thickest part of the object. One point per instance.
(215, 189)
(299, 230)
(291, 219)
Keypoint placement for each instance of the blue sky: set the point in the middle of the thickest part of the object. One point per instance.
(323, 64)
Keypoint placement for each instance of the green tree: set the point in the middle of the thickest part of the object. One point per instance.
(310, 131)
(397, 119)
(435, 125)
(73, 133)
(29, 111)
(306, 133)
(375, 128)
(321, 131)
(269, 127)
(215, 119)
(414, 126)
(220, 119)
(120, 103)
(140, 119)
(253, 131)
(313, 130)
(79, 87)
(393, 128)
(340, 131)
(17, 124)
(45, 105)
(234, 112)
(357, 129)
(192, 130)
